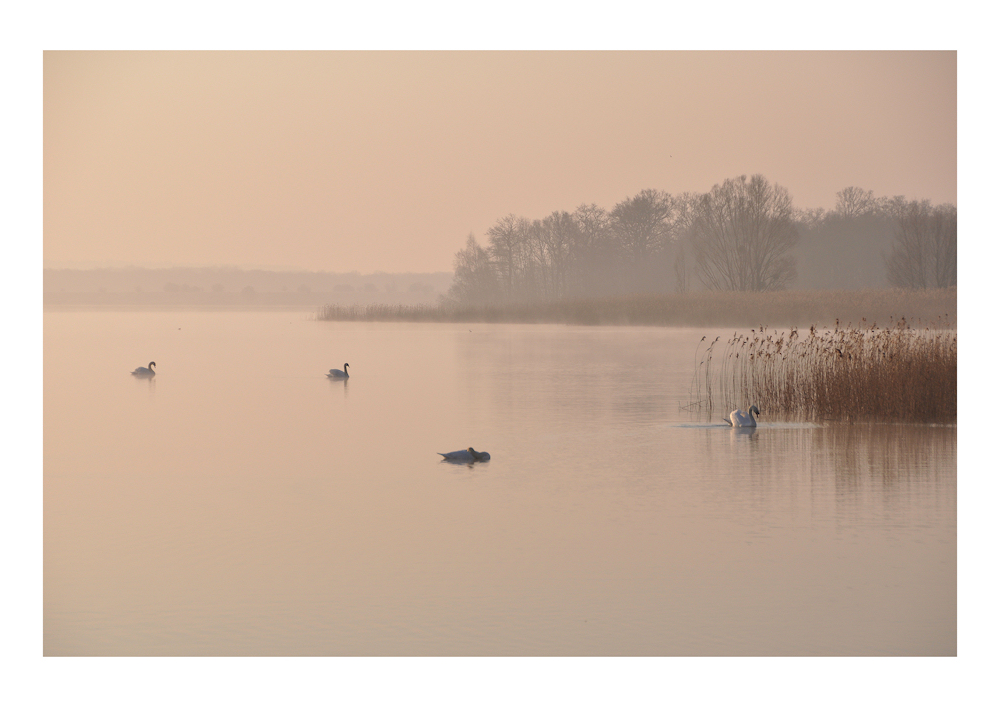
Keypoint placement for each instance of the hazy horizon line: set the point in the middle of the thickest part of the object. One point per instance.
(116, 265)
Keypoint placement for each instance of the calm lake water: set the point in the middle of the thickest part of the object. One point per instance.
(240, 503)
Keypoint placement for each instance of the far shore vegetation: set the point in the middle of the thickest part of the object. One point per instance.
(745, 235)
(785, 308)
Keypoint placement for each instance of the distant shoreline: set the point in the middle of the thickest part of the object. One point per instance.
(231, 288)
(790, 308)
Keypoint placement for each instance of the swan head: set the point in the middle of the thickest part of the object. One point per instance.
(151, 364)
(753, 409)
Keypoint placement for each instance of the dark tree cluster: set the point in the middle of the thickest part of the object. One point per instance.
(590, 252)
(744, 235)
(869, 241)
(925, 250)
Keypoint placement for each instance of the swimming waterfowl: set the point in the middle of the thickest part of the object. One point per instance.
(738, 418)
(466, 455)
(337, 373)
(144, 372)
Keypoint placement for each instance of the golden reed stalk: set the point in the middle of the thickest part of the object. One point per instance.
(852, 373)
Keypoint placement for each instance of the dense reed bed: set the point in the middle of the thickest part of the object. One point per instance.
(798, 308)
(897, 373)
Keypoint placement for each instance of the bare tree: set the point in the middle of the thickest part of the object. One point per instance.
(925, 246)
(475, 279)
(508, 252)
(642, 224)
(593, 253)
(685, 214)
(855, 201)
(681, 273)
(946, 245)
(892, 207)
(558, 232)
(743, 236)
(809, 218)
(592, 224)
(840, 251)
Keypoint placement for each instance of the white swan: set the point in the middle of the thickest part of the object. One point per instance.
(738, 418)
(337, 373)
(466, 455)
(144, 372)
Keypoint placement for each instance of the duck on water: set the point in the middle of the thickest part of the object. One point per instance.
(466, 455)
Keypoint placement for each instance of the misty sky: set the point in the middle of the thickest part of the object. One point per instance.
(369, 161)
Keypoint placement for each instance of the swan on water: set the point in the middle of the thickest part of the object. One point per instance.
(466, 455)
(337, 373)
(738, 418)
(146, 372)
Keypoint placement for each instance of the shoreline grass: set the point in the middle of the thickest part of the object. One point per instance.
(789, 308)
(896, 373)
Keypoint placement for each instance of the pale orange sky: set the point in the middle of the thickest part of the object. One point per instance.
(370, 161)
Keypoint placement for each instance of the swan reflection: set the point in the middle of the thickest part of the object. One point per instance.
(743, 432)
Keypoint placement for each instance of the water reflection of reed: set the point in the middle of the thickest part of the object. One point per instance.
(842, 459)
(888, 454)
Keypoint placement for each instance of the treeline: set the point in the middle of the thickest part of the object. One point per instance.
(744, 235)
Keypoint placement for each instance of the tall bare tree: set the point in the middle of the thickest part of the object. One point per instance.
(558, 233)
(593, 252)
(475, 280)
(743, 236)
(642, 224)
(508, 252)
(855, 201)
(591, 229)
(685, 214)
(925, 246)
